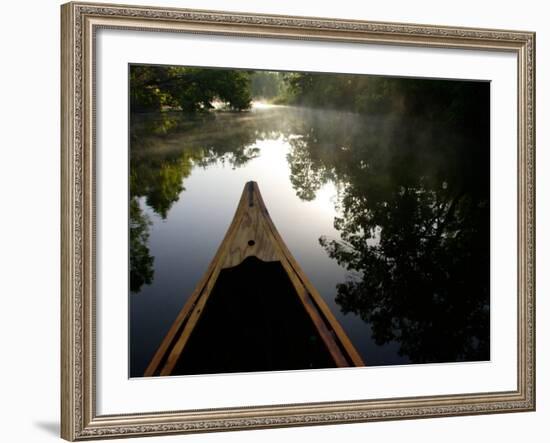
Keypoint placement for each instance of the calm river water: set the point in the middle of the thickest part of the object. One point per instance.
(356, 199)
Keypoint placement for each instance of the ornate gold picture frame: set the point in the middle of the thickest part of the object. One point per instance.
(80, 23)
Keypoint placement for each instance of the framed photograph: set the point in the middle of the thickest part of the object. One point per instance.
(282, 221)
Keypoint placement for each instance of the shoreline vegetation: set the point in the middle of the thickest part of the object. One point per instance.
(201, 90)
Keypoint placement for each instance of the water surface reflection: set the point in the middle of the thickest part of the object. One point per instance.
(388, 216)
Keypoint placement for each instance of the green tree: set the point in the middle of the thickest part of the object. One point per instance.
(377, 95)
(189, 89)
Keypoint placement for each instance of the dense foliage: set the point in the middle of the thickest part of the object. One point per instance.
(379, 95)
(189, 89)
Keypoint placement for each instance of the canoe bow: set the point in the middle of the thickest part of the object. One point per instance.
(252, 233)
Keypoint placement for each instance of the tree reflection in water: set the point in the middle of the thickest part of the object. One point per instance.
(141, 261)
(159, 164)
(414, 224)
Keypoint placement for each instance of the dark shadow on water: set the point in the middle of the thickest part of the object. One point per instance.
(49, 427)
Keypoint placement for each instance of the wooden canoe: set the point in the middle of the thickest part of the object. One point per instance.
(254, 309)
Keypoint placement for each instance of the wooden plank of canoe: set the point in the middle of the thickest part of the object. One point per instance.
(250, 238)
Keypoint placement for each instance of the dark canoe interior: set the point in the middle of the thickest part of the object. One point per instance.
(253, 321)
